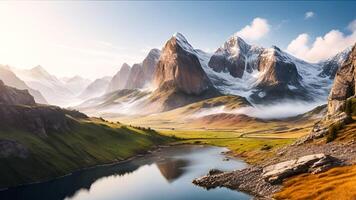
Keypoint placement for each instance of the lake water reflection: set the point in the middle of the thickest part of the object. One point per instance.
(165, 174)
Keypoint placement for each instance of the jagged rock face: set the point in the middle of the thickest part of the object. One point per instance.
(344, 84)
(179, 65)
(278, 78)
(118, 82)
(149, 64)
(142, 74)
(136, 77)
(13, 96)
(262, 75)
(330, 66)
(39, 120)
(10, 79)
(231, 57)
(276, 71)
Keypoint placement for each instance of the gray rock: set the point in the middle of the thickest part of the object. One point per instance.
(314, 163)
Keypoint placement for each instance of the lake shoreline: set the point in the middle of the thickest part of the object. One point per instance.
(178, 163)
(145, 152)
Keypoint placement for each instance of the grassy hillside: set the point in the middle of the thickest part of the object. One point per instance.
(89, 143)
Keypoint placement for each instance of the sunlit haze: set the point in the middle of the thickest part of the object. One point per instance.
(93, 39)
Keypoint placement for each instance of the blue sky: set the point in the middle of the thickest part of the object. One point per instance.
(69, 38)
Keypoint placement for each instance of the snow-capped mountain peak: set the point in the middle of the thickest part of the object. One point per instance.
(183, 42)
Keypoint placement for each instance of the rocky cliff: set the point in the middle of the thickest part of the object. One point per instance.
(18, 110)
(344, 84)
(179, 67)
(13, 96)
(11, 79)
(342, 91)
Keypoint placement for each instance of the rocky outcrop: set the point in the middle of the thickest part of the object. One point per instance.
(119, 80)
(19, 110)
(342, 90)
(13, 96)
(39, 120)
(315, 163)
(247, 180)
(344, 84)
(180, 68)
(11, 79)
(264, 181)
(231, 57)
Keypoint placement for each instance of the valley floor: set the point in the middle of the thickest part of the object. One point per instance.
(261, 145)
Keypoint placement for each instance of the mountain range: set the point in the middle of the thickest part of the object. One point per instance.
(183, 75)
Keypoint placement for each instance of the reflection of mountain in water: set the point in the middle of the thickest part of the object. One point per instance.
(67, 186)
(172, 169)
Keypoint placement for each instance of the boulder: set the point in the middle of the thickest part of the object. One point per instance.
(314, 163)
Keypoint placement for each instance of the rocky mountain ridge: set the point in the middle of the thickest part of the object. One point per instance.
(268, 74)
(11, 79)
(19, 109)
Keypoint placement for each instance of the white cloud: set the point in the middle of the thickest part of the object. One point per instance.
(256, 30)
(309, 15)
(323, 47)
(352, 26)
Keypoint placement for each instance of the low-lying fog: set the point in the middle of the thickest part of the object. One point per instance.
(274, 111)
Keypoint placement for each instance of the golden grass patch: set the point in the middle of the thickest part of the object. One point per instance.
(336, 184)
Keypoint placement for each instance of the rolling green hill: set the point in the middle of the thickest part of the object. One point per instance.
(90, 142)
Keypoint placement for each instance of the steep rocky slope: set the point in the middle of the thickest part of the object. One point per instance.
(9, 78)
(344, 84)
(149, 65)
(179, 76)
(13, 96)
(19, 109)
(180, 67)
(135, 78)
(141, 74)
(264, 75)
(119, 80)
